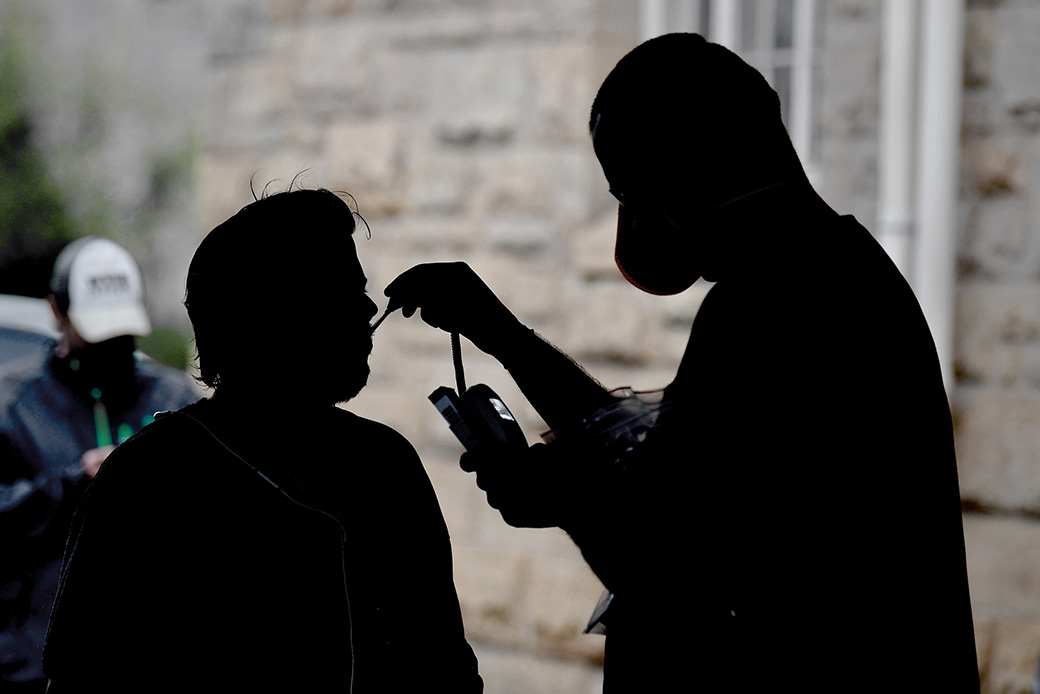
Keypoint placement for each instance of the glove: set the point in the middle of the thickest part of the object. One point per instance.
(530, 487)
(452, 297)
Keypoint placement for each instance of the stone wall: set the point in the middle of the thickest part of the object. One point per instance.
(997, 398)
(460, 128)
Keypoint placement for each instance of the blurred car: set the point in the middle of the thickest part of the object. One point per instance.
(26, 327)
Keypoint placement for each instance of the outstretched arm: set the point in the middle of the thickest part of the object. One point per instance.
(451, 296)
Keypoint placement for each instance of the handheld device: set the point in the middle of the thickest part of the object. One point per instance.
(476, 415)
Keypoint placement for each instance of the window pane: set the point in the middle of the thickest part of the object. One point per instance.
(748, 24)
(784, 24)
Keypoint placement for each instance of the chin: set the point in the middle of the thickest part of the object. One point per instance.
(349, 392)
(345, 382)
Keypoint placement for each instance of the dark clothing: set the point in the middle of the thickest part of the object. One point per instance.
(231, 548)
(795, 520)
(47, 422)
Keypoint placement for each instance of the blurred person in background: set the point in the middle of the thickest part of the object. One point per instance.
(61, 413)
(792, 520)
(265, 539)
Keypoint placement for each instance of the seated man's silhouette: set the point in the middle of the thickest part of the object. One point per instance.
(264, 539)
(793, 522)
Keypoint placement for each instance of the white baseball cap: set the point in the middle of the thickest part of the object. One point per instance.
(104, 289)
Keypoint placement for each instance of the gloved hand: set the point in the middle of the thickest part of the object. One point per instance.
(531, 488)
(452, 297)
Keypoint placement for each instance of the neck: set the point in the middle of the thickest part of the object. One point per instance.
(758, 226)
(250, 397)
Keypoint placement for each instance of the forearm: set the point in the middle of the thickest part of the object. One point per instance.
(559, 389)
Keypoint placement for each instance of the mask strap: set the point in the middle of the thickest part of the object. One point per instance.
(763, 189)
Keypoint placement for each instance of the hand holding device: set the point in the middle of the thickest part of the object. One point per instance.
(530, 487)
(477, 416)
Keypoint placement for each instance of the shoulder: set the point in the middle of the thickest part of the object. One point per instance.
(22, 374)
(26, 385)
(168, 438)
(388, 456)
(377, 433)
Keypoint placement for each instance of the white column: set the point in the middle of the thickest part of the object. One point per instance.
(725, 23)
(688, 16)
(653, 18)
(803, 45)
(938, 135)
(896, 130)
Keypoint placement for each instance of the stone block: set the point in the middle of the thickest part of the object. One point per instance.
(248, 106)
(335, 64)
(490, 585)
(1001, 238)
(611, 322)
(563, 80)
(560, 598)
(485, 108)
(540, 184)
(998, 434)
(591, 246)
(530, 285)
(1003, 555)
(1012, 657)
(979, 39)
(1003, 164)
(997, 336)
(458, 495)
(397, 409)
(507, 672)
(1015, 57)
(367, 160)
(520, 235)
(995, 445)
(441, 183)
(849, 92)
(491, 531)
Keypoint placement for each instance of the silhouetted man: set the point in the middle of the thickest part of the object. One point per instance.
(794, 520)
(264, 539)
(62, 411)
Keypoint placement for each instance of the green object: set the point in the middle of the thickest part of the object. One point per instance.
(123, 432)
(101, 425)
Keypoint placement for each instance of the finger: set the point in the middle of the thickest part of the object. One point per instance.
(413, 280)
(431, 317)
(408, 311)
(469, 462)
(486, 481)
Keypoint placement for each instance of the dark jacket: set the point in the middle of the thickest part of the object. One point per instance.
(795, 520)
(228, 548)
(46, 424)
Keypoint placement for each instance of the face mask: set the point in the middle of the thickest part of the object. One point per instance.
(656, 255)
(653, 254)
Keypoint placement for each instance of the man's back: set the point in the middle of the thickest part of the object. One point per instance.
(285, 555)
(826, 516)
